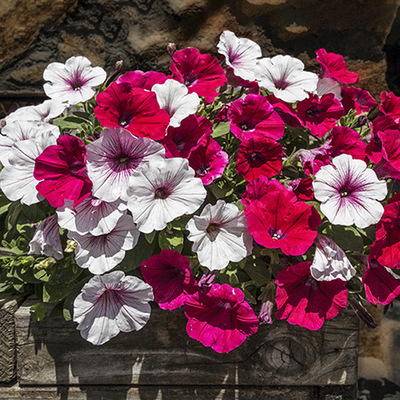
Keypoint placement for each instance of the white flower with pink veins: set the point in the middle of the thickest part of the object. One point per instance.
(73, 82)
(241, 54)
(110, 304)
(349, 192)
(285, 77)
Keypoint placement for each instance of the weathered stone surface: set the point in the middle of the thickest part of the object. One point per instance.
(138, 32)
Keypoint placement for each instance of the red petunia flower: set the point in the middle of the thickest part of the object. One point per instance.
(357, 99)
(171, 278)
(344, 140)
(319, 115)
(335, 67)
(302, 188)
(257, 156)
(254, 115)
(390, 106)
(279, 220)
(258, 188)
(201, 73)
(220, 318)
(134, 109)
(304, 301)
(62, 170)
(144, 80)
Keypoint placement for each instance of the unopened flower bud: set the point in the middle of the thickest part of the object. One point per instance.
(265, 315)
(171, 48)
(207, 280)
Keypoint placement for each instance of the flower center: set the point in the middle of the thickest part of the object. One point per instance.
(343, 193)
(213, 230)
(190, 79)
(203, 170)
(76, 167)
(247, 125)
(281, 83)
(161, 193)
(276, 234)
(125, 119)
(122, 159)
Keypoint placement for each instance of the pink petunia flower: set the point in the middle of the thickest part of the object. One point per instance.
(258, 188)
(257, 156)
(319, 115)
(220, 318)
(381, 284)
(334, 66)
(349, 192)
(62, 171)
(112, 303)
(208, 159)
(134, 109)
(306, 302)
(279, 220)
(302, 188)
(143, 80)
(357, 99)
(74, 81)
(390, 106)
(254, 115)
(201, 73)
(171, 278)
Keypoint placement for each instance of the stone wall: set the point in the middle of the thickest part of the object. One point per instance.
(35, 33)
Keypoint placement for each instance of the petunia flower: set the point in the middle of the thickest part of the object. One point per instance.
(285, 77)
(132, 108)
(112, 303)
(171, 278)
(277, 219)
(74, 81)
(17, 179)
(240, 54)
(175, 98)
(46, 240)
(143, 80)
(257, 156)
(254, 115)
(349, 192)
(93, 216)
(306, 302)
(390, 106)
(219, 235)
(330, 261)
(200, 73)
(328, 85)
(334, 66)
(162, 191)
(104, 252)
(62, 172)
(112, 159)
(357, 99)
(220, 318)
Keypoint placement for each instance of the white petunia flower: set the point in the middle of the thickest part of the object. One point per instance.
(112, 303)
(240, 54)
(17, 131)
(44, 112)
(220, 235)
(349, 192)
(74, 81)
(16, 178)
(46, 240)
(174, 97)
(285, 77)
(330, 261)
(102, 253)
(93, 216)
(162, 191)
(114, 157)
(328, 85)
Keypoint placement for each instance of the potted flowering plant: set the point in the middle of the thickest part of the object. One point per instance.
(234, 188)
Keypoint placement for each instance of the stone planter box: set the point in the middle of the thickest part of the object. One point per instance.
(160, 362)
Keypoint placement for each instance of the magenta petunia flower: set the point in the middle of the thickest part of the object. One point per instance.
(220, 318)
(208, 159)
(390, 140)
(349, 192)
(171, 278)
(279, 220)
(313, 159)
(134, 109)
(201, 73)
(259, 156)
(62, 171)
(306, 302)
(285, 111)
(390, 106)
(254, 115)
(334, 67)
(302, 188)
(180, 141)
(319, 115)
(344, 140)
(258, 188)
(357, 99)
(381, 284)
(143, 80)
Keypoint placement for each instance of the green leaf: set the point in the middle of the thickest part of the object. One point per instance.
(64, 271)
(258, 271)
(54, 293)
(221, 188)
(172, 240)
(220, 129)
(150, 236)
(346, 237)
(64, 124)
(38, 311)
(68, 306)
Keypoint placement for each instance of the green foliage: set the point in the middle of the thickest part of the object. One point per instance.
(38, 311)
(171, 239)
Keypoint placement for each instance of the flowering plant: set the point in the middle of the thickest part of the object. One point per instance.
(226, 188)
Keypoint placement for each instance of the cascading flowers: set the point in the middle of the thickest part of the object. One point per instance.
(219, 187)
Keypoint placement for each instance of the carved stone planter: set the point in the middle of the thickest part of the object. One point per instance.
(161, 362)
